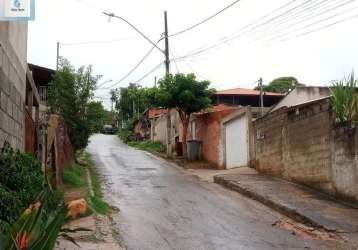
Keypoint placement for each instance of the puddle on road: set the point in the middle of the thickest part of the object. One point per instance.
(305, 232)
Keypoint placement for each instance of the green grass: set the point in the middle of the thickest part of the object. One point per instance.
(96, 202)
(148, 146)
(73, 176)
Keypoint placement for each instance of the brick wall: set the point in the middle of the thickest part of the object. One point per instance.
(304, 145)
(13, 47)
(209, 131)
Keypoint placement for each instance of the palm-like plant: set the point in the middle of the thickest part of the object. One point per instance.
(344, 101)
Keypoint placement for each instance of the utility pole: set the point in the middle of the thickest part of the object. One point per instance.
(155, 81)
(58, 55)
(166, 51)
(261, 97)
(167, 72)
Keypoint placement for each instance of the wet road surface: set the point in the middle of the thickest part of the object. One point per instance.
(163, 207)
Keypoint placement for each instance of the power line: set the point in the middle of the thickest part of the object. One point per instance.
(226, 39)
(315, 30)
(205, 20)
(312, 17)
(150, 72)
(97, 42)
(309, 9)
(134, 68)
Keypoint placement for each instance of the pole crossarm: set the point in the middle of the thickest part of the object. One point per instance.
(141, 33)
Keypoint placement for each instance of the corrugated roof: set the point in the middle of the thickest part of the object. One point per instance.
(242, 91)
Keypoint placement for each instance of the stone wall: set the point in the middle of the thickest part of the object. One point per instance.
(304, 145)
(13, 47)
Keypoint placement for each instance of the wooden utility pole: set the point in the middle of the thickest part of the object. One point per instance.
(167, 72)
(261, 97)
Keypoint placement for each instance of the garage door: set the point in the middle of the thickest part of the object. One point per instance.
(236, 142)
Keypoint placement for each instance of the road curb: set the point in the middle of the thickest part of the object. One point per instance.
(281, 208)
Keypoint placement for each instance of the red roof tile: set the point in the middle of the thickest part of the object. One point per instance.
(242, 91)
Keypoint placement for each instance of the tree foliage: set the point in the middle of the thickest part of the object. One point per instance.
(281, 85)
(97, 116)
(185, 94)
(69, 95)
(132, 101)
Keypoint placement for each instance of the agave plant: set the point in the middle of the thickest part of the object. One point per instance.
(344, 101)
(36, 228)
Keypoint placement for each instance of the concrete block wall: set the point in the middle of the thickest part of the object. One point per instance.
(12, 83)
(304, 145)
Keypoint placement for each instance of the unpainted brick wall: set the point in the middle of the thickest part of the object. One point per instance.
(304, 145)
(209, 131)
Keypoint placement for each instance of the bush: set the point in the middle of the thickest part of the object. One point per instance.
(148, 146)
(9, 205)
(123, 135)
(344, 101)
(21, 180)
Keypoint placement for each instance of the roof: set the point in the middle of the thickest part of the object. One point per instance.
(242, 91)
(42, 76)
(301, 95)
(152, 113)
(216, 108)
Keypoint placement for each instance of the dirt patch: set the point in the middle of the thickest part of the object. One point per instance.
(306, 232)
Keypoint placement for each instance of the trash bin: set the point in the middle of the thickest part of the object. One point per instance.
(194, 150)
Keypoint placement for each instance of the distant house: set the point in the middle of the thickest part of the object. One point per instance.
(302, 94)
(141, 128)
(245, 97)
(224, 132)
(42, 77)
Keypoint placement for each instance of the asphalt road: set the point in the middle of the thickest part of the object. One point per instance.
(164, 207)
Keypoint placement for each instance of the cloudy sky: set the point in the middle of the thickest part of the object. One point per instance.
(248, 41)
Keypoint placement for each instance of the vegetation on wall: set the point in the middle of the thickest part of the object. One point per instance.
(344, 101)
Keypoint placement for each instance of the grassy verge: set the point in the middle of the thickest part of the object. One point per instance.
(123, 135)
(75, 179)
(149, 146)
(96, 201)
(74, 176)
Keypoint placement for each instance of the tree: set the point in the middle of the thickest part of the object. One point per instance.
(97, 117)
(132, 101)
(185, 94)
(281, 85)
(69, 95)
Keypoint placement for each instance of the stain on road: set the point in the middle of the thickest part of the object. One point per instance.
(163, 207)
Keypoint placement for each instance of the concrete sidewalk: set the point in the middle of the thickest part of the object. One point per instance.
(295, 201)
